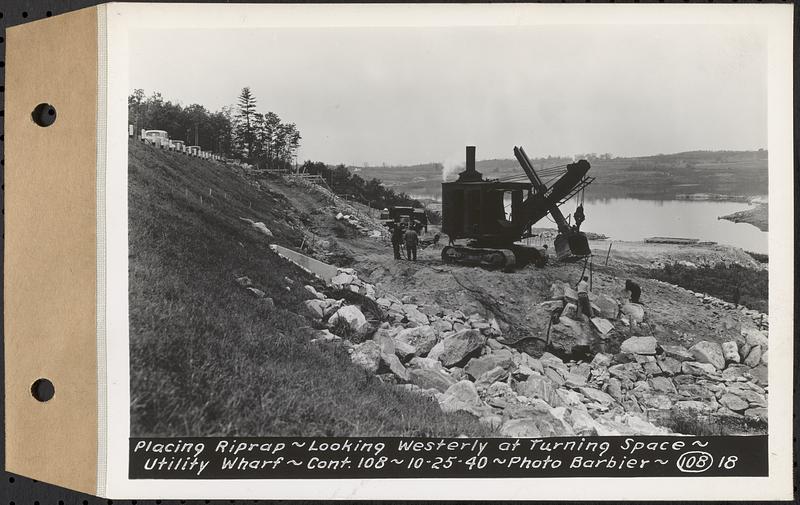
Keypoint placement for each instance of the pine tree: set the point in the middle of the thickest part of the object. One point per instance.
(245, 119)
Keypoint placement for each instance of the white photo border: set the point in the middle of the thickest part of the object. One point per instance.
(120, 19)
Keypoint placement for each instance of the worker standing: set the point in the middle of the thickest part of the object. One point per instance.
(635, 290)
(411, 239)
(584, 305)
(397, 239)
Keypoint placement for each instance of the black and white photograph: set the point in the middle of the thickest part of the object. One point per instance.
(534, 231)
(417, 251)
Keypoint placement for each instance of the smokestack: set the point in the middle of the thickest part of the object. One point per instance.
(470, 174)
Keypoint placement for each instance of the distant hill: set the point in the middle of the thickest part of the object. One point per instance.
(731, 174)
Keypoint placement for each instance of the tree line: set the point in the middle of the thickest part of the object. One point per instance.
(239, 131)
(262, 139)
(369, 192)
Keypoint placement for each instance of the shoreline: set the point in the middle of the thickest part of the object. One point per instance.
(757, 216)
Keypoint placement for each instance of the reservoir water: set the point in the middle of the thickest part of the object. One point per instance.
(633, 219)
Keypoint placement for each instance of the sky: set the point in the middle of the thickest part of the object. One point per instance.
(416, 95)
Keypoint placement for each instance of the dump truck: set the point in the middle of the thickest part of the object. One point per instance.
(494, 215)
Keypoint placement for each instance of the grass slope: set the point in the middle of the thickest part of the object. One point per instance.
(207, 358)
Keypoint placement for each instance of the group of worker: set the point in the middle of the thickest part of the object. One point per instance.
(405, 235)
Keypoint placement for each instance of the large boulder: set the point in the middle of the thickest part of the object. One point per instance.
(630, 371)
(442, 326)
(331, 306)
(404, 351)
(708, 352)
(669, 366)
(479, 366)
(384, 341)
(414, 315)
(754, 357)
(568, 334)
(662, 385)
(693, 407)
(549, 421)
(582, 423)
(755, 337)
(658, 402)
(315, 308)
(598, 396)
(367, 355)
(699, 369)
(425, 364)
(537, 386)
(520, 428)
(351, 315)
(607, 306)
(536, 327)
(496, 374)
(314, 292)
(736, 372)
(430, 379)
(634, 311)
(730, 351)
(261, 227)
(757, 413)
(458, 347)
(639, 345)
(421, 338)
(614, 389)
(463, 396)
(392, 362)
(342, 280)
(677, 352)
(602, 325)
(749, 393)
(733, 402)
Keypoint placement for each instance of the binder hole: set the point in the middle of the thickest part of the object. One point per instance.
(48, 14)
(44, 114)
(43, 390)
(24, 14)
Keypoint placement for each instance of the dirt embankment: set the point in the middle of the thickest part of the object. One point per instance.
(758, 216)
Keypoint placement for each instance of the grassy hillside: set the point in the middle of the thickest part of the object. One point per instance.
(659, 177)
(207, 357)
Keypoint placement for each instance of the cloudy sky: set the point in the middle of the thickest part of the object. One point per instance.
(414, 95)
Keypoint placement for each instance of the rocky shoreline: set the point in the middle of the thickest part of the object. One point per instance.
(464, 363)
(757, 216)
